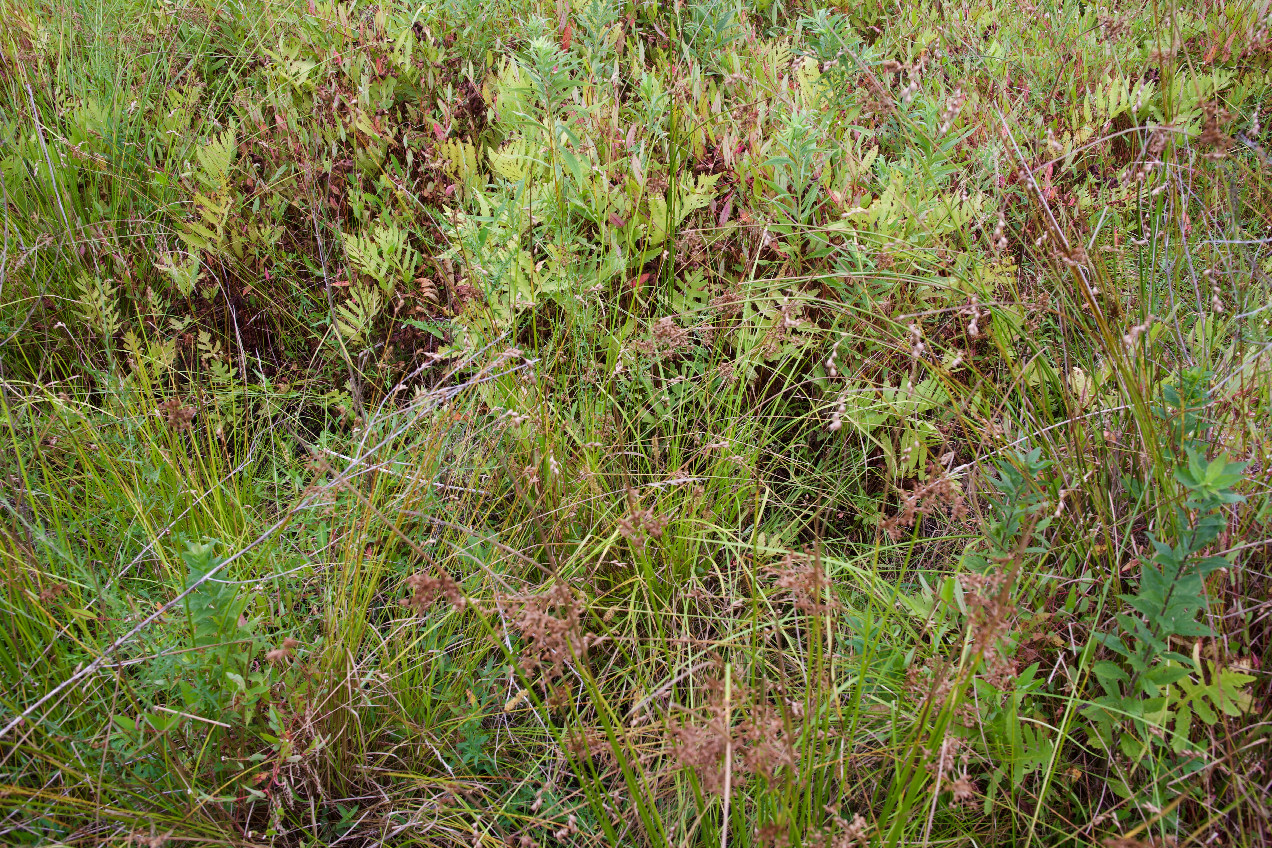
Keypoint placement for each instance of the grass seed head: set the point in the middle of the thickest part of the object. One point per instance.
(426, 588)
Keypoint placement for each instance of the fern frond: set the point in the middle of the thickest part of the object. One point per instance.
(215, 158)
(354, 316)
(96, 304)
(511, 161)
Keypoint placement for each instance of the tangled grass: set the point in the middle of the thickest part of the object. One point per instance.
(748, 422)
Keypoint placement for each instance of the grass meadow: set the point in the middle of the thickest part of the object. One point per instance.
(543, 423)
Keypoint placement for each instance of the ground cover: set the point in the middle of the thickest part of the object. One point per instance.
(722, 423)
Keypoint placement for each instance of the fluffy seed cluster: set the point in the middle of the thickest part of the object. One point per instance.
(963, 790)
(975, 314)
(427, 588)
(843, 833)
(177, 415)
(803, 579)
(641, 524)
(551, 625)
(1152, 155)
(759, 743)
(1212, 136)
(989, 601)
(669, 336)
(277, 655)
(932, 680)
(952, 107)
(940, 492)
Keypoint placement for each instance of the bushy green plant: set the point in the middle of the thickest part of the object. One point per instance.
(1155, 683)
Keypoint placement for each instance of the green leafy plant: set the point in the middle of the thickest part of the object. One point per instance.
(1154, 682)
(216, 677)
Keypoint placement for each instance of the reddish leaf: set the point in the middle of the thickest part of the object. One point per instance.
(724, 213)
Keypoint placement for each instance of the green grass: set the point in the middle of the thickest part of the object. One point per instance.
(733, 423)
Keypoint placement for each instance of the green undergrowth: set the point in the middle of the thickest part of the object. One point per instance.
(747, 422)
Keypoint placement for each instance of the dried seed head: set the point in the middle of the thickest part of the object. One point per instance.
(641, 524)
(848, 834)
(1133, 335)
(916, 341)
(669, 337)
(999, 239)
(154, 840)
(941, 492)
(774, 835)
(992, 612)
(703, 748)
(1075, 256)
(1152, 155)
(759, 744)
(52, 591)
(837, 416)
(803, 580)
(964, 790)
(176, 415)
(551, 624)
(974, 313)
(425, 589)
(952, 107)
(1213, 137)
(907, 93)
(283, 651)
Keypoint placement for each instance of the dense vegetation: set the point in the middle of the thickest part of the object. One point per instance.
(741, 422)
